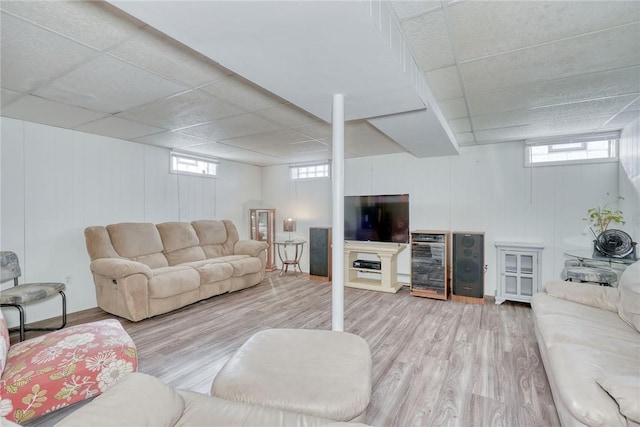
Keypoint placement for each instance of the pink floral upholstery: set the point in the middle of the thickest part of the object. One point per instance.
(64, 367)
(4, 341)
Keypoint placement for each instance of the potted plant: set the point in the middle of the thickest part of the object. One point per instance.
(601, 216)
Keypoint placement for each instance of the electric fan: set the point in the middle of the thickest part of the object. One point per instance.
(615, 244)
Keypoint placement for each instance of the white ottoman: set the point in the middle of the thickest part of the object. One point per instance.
(321, 373)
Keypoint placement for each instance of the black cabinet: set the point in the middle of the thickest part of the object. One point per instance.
(320, 253)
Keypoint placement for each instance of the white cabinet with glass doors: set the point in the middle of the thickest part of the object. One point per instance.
(519, 271)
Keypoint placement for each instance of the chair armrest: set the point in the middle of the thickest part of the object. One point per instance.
(597, 296)
(118, 268)
(249, 247)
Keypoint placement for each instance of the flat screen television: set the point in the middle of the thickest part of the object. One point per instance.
(383, 218)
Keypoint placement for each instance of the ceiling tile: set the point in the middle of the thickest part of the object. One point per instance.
(247, 124)
(460, 125)
(453, 108)
(8, 96)
(31, 56)
(486, 28)
(634, 106)
(155, 51)
(115, 127)
(317, 130)
(267, 139)
(288, 115)
(543, 129)
(237, 154)
(429, 39)
(465, 139)
(185, 109)
(621, 120)
(110, 85)
(606, 50)
(286, 150)
(243, 94)
(170, 140)
(34, 109)
(314, 156)
(561, 91)
(576, 110)
(444, 83)
(95, 23)
(405, 9)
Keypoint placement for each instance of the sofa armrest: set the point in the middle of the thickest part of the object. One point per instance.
(118, 268)
(249, 247)
(597, 296)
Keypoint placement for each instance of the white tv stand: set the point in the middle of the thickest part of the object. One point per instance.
(388, 273)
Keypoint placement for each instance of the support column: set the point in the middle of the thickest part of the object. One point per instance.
(337, 234)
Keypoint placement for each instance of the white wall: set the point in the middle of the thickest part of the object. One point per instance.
(485, 189)
(56, 182)
(629, 178)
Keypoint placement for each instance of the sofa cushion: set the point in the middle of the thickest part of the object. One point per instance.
(215, 272)
(604, 297)
(244, 266)
(138, 241)
(575, 369)
(170, 281)
(99, 243)
(583, 343)
(626, 392)
(180, 242)
(210, 232)
(562, 321)
(137, 400)
(205, 410)
(629, 301)
(64, 367)
(217, 238)
(316, 372)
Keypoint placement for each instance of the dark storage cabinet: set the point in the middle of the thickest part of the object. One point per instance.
(430, 264)
(320, 253)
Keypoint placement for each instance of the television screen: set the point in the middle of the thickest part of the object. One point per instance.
(382, 218)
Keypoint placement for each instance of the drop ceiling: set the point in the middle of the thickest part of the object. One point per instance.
(252, 81)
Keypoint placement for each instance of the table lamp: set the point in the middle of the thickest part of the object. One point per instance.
(289, 225)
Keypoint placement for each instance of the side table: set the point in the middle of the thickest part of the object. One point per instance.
(286, 260)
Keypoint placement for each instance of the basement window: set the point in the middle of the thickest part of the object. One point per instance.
(189, 164)
(309, 171)
(576, 149)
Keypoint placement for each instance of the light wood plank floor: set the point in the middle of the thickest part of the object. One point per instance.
(435, 363)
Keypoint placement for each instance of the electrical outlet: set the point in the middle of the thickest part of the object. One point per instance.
(67, 280)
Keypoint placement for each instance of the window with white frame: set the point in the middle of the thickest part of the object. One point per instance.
(320, 170)
(189, 164)
(591, 148)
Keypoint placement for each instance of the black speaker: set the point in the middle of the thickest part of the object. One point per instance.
(320, 253)
(468, 264)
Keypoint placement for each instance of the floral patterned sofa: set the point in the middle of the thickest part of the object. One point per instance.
(61, 368)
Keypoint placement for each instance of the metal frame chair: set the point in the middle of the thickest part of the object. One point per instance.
(24, 294)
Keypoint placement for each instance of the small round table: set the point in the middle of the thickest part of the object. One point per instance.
(287, 261)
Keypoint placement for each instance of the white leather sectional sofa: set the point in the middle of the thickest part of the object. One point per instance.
(589, 339)
(143, 400)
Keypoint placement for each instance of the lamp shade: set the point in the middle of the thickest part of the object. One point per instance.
(289, 225)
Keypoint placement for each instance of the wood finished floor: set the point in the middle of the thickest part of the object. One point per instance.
(435, 363)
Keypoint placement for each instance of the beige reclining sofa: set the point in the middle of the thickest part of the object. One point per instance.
(141, 270)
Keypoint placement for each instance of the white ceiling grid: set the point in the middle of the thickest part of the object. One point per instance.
(497, 71)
